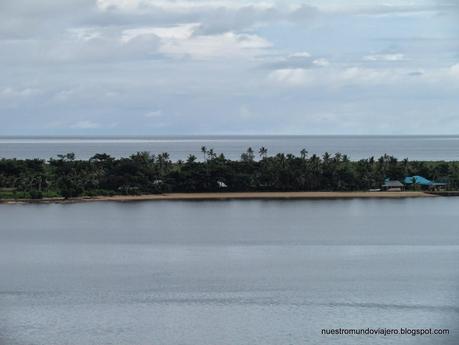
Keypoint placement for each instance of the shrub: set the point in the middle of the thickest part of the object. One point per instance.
(35, 194)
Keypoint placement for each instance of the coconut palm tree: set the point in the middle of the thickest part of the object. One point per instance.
(250, 154)
(211, 154)
(304, 154)
(204, 152)
(191, 159)
(263, 152)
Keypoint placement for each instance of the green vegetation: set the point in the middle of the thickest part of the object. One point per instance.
(143, 173)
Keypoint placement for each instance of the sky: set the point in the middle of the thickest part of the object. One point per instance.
(172, 67)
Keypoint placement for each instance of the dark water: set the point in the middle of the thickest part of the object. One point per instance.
(357, 147)
(232, 272)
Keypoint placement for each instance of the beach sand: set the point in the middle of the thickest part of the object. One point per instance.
(235, 196)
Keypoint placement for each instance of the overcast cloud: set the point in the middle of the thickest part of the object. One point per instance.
(228, 67)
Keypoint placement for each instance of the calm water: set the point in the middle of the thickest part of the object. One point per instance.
(357, 147)
(226, 273)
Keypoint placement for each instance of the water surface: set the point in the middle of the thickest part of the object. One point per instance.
(179, 147)
(229, 272)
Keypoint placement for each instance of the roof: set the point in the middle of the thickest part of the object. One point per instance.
(393, 184)
(418, 180)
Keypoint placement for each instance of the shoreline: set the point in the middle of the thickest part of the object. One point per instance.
(227, 196)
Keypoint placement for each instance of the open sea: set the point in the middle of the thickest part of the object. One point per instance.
(179, 147)
(229, 272)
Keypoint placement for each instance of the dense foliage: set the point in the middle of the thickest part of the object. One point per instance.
(143, 173)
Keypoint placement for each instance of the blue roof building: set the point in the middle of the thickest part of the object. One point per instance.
(419, 180)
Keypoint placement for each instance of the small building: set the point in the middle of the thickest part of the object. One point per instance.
(393, 186)
(425, 183)
(417, 180)
(439, 186)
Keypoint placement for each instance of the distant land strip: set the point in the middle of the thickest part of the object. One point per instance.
(147, 176)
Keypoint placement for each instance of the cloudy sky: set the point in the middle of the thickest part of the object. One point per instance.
(229, 67)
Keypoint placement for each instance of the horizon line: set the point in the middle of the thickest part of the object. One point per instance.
(140, 136)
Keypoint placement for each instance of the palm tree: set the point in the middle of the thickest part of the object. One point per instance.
(204, 151)
(304, 154)
(263, 152)
(211, 154)
(250, 154)
(163, 161)
(191, 159)
(143, 156)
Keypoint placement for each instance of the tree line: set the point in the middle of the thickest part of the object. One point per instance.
(145, 173)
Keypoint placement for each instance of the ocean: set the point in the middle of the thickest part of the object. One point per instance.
(179, 147)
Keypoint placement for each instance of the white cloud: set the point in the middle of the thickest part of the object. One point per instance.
(179, 32)
(227, 45)
(84, 33)
(385, 57)
(184, 41)
(321, 62)
(300, 55)
(334, 77)
(379, 8)
(454, 70)
(10, 92)
(85, 124)
(289, 76)
(367, 75)
(245, 113)
(444, 76)
(188, 5)
(337, 77)
(154, 114)
(215, 17)
(298, 60)
(92, 44)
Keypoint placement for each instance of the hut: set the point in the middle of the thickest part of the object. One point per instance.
(418, 182)
(393, 186)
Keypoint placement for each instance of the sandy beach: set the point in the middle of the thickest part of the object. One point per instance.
(232, 196)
